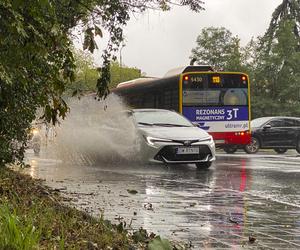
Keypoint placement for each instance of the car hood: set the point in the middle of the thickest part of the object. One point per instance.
(174, 133)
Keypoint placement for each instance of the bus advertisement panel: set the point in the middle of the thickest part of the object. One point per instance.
(219, 103)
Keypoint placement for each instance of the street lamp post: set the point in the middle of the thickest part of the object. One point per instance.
(122, 46)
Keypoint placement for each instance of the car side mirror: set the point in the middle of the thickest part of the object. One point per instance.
(268, 126)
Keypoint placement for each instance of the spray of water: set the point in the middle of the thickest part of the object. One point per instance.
(96, 131)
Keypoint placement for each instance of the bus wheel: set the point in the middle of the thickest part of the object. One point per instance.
(280, 150)
(203, 165)
(230, 149)
(253, 147)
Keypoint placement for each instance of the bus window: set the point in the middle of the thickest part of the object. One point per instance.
(222, 89)
(167, 99)
(149, 100)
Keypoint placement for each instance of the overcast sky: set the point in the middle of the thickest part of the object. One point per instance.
(159, 41)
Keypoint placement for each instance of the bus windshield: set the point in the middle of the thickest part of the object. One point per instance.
(215, 90)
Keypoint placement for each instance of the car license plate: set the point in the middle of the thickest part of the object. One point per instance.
(186, 151)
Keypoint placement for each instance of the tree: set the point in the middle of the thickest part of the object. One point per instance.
(86, 74)
(277, 73)
(219, 48)
(287, 10)
(37, 62)
(122, 74)
(277, 77)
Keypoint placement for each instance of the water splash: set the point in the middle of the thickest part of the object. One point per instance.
(96, 131)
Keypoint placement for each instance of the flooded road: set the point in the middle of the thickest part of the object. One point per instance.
(240, 196)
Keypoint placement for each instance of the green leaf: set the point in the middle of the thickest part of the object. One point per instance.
(140, 236)
(159, 244)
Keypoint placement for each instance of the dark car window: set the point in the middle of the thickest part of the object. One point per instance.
(290, 123)
(276, 123)
(297, 122)
(256, 123)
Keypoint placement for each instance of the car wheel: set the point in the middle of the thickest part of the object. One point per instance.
(280, 150)
(203, 165)
(253, 147)
(298, 146)
(230, 149)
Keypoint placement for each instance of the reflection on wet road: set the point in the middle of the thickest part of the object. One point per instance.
(238, 197)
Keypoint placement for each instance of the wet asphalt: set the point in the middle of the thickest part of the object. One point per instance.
(241, 202)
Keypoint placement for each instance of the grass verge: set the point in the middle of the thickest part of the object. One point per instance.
(34, 217)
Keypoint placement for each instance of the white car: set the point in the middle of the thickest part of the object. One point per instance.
(168, 137)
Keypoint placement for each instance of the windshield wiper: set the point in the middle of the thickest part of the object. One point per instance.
(170, 125)
(145, 123)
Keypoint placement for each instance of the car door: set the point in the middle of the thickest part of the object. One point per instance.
(272, 133)
(290, 132)
(297, 132)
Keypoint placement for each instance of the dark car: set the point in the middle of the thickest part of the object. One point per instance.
(278, 133)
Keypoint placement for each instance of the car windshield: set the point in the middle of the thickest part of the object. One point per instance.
(259, 121)
(161, 118)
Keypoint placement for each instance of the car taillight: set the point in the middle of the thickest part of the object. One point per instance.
(242, 133)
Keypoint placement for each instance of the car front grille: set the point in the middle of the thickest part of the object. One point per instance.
(169, 153)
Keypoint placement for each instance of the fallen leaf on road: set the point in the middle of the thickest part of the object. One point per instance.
(132, 191)
(148, 206)
(252, 239)
(232, 220)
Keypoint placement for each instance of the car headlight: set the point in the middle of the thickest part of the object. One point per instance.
(207, 139)
(35, 131)
(151, 140)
